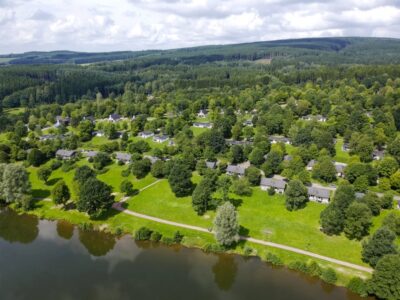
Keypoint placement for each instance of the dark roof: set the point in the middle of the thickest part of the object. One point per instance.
(272, 182)
(202, 124)
(146, 133)
(115, 116)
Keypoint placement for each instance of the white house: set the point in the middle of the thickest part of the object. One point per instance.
(318, 118)
(278, 185)
(340, 168)
(311, 165)
(378, 154)
(248, 123)
(123, 157)
(62, 121)
(160, 138)
(66, 154)
(319, 194)
(202, 125)
(202, 113)
(114, 118)
(98, 133)
(238, 170)
(279, 139)
(146, 134)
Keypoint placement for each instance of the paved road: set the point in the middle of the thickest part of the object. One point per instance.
(118, 206)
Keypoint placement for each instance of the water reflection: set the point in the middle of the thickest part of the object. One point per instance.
(48, 268)
(98, 243)
(225, 271)
(65, 229)
(18, 228)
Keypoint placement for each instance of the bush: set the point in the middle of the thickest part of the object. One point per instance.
(247, 251)
(126, 187)
(167, 240)
(67, 166)
(125, 173)
(143, 234)
(271, 191)
(314, 269)
(298, 266)
(358, 286)
(155, 236)
(273, 259)
(178, 237)
(120, 163)
(241, 187)
(55, 165)
(329, 275)
(118, 231)
(216, 248)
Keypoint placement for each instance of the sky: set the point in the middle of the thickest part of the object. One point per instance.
(113, 25)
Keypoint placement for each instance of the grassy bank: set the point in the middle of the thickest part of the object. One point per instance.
(260, 215)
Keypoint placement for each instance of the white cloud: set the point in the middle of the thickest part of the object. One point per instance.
(105, 25)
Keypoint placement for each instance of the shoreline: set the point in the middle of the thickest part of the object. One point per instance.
(201, 240)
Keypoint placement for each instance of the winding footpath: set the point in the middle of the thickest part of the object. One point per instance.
(119, 206)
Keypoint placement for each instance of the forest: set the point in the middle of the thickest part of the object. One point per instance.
(306, 128)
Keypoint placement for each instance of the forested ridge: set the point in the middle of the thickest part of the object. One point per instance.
(253, 130)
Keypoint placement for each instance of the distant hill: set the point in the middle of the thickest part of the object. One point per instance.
(308, 50)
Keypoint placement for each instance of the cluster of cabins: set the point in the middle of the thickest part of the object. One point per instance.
(376, 154)
(119, 156)
(315, 193)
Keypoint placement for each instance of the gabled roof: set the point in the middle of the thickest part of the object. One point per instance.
(202, 124)
(235, 169)
(65, 153)
(278, 138)
(311, 163)
(318, 192)
(152, 159)
(287, 157)
(146, 133)
(211, 164)
(161, 137)
(123, 156)
(90, 153)
(115, 116)
(340, 167)
(272, 182)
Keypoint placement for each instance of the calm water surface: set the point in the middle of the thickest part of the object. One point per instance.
(55, 260)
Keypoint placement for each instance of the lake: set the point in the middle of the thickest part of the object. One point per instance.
(55, 260)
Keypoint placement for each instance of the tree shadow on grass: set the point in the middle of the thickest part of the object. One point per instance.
(53, 181)
(108, 214)
(40, 193)
(236, 202)
(243, 231)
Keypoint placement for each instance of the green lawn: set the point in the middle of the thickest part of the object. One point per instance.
(159, 201)
(262, 216)
(341, 156)
(14, 111)
(197, 131)
(112, 177)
